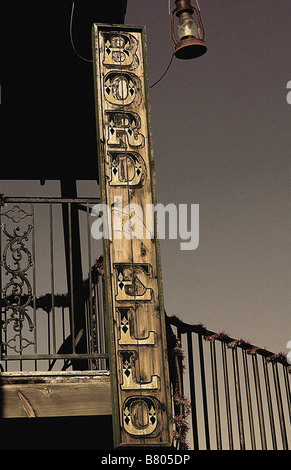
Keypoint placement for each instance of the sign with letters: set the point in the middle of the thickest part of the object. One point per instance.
(134, 298)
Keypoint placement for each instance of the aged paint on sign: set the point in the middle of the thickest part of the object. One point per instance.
(136, 324)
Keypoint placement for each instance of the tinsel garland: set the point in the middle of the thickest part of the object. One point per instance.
(249, 348)
(231, 342)
(182, 406)
(178, 351)
(46, 302)
(180, 419)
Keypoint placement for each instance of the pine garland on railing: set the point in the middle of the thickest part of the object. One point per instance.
(180, 420)
(250, 349)
(47, 301)
(182, 406)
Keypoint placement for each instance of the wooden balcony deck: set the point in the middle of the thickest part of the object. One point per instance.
(54, 394)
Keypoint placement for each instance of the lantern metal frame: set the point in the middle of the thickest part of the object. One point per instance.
(188, 47)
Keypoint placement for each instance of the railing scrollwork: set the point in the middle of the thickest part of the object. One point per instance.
(17, 294)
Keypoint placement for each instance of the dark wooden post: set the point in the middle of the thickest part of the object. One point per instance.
(74, 270)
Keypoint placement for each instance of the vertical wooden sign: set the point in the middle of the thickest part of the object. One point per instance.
(135, 310)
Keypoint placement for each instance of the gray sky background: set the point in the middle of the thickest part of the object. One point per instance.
(221, 132)
(222, 139)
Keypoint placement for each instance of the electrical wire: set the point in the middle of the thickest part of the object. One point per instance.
(170, 63)
(90, 60)
(71, 36)
(151, 86)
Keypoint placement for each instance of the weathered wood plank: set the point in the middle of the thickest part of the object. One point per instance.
(59, 394)
(134, 297)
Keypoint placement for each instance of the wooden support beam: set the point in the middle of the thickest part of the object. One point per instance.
(52, 394)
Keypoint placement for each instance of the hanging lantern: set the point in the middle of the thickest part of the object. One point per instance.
(187, 34)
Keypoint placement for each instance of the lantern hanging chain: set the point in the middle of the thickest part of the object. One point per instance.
(71, 36)
(170, 63)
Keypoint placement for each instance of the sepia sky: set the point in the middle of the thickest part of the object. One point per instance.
(222, 139)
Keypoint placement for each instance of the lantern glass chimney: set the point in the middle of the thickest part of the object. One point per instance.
(187, 27)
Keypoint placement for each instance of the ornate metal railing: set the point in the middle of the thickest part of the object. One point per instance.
(46, 246)
(232, 394)
(227, 394)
